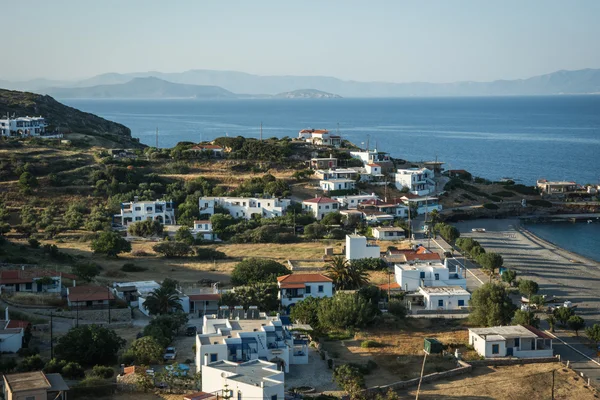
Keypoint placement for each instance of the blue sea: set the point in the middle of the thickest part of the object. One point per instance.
(524, 138)
(580, 238)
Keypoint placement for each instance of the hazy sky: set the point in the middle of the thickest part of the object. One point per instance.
(400, 41)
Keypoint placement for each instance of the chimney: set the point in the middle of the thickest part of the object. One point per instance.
(6, 317)
(22, 268)
(74, 283)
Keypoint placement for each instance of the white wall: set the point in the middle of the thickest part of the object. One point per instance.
(450, 301)
(11, 342)
(382, 235)
(314, 292)
(410, 279)
(319, 210)
(203, 352)
(213, 381)
(356, 248)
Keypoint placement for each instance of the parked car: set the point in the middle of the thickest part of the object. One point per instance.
(190, 330)
(170, 353)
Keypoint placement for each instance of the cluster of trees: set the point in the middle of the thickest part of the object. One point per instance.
(262, 295)
(145, 228)
(272, 149)
(266, 185)
(257, 270)
(89, 345)
(448, 232)
(110, 243)
(491, 262)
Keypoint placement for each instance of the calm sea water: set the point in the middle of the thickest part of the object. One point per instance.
(525, 138)
(579, 238)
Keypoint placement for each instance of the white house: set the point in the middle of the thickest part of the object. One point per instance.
(136, 211)
(422, 204)
(416, 272)
(245, 207)
(352, 201)
(251, 380)
(320, 206)
(12, 333)
(373, 169)
(216, 151)
(337, 173)
(320, 137)
(419, 181)
(323, 162)
(244, 335)
(337, 184)
(511, 341)
(388, 233)
(370, 156)
(203, 230)
(296, 287)
(130, 291)
(23, 126)
(384, 207)
(357, 247)
(32, 280)
(445, 297)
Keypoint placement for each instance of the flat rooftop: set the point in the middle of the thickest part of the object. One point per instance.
(419, 265)
(504, 332)
(251, 372)
(388, 229)
(444, 290)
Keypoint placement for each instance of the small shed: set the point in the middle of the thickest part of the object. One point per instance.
(433, 346)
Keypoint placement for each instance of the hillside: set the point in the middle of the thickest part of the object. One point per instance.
(307, 94)
(147, 88)
(67, 119)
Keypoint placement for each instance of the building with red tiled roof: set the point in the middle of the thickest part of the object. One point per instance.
(320, 137)
(320, 206)
(296, 287)
(25, 280)
(213, 148)
(89, 296)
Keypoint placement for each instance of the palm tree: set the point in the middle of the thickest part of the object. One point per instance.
(346, 275)
(162, 301)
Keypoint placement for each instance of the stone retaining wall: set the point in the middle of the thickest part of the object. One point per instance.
(513, 361)
(116, 314)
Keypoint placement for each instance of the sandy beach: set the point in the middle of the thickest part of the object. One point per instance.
(559, 272)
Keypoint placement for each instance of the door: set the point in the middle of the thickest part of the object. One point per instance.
(509, 351)
(39, 287)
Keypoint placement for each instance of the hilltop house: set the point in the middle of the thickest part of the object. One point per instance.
(323, 163)
(548, 187)
(444, 297)
(34, 385)
(390, 208)
(330, 185)
(370, 156)
(136, 211)
(320, 206)
(244, 336)
(388, 233)
(336, 173)
(519, 341)
(255, 379)
(419, 181)
(215, 151)
(414, 270)
(33, 280)
(320, 137)
(23, 126)
(245, 207)
(296, 287)
(357, 247)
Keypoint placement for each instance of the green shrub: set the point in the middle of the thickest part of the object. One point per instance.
(102, 371)
(54, 366)
(207, 253)
(522, 189)
(73, 370)
(367, 344)
(34, 243)
(92, 387)
(397, 308)
(131, 267)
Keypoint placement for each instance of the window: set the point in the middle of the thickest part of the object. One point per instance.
(461, 303)
(149, 209)
(422, 275)
(239, 395)
(327, 207)
(320, 289)
(274, 397)
(28, 286)
(213, 357)
(440, 303)
(307, 289)
(138, 208)
(495, 349)
(517, 342)
(437, 277)
(138, 218)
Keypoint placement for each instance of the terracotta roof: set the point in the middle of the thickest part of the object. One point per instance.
(199, 396)
(374, 165)
(202, 221)
(390, 286)
(27, 276)
(303, 278)
(319, 200)
(15, 323)
(284, 285)
(90, 293)
(314, 131)
(422, 257)
(205, 297)
(422, 250)
(211, 147)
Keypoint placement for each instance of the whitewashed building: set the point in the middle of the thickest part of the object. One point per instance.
(422, 204)
(320, 137)
(388, 233)
(184, 300)
(357, 247)
(352, 201)
(240, 335)
(23, 126)
(12, 333)
(245, 207)
(370, 156)
(251, 380)
(445, 297)
(320, 163)
(137, 211)
(320, 206)
(33, 280)
(131, 291)
(423, 270)
(297, 287)
(511, 341)
(337, 173)
(203, 230)
(337, 184)
(419, 181)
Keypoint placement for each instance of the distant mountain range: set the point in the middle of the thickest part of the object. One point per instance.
(231, 84)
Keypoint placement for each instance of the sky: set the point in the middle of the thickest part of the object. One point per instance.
(395, 41)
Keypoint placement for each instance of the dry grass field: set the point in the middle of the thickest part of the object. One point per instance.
(531, 382)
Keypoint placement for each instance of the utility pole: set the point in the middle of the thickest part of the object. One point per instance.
(108, 291)
(421, 377)
(553, 371)
(77, 316)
